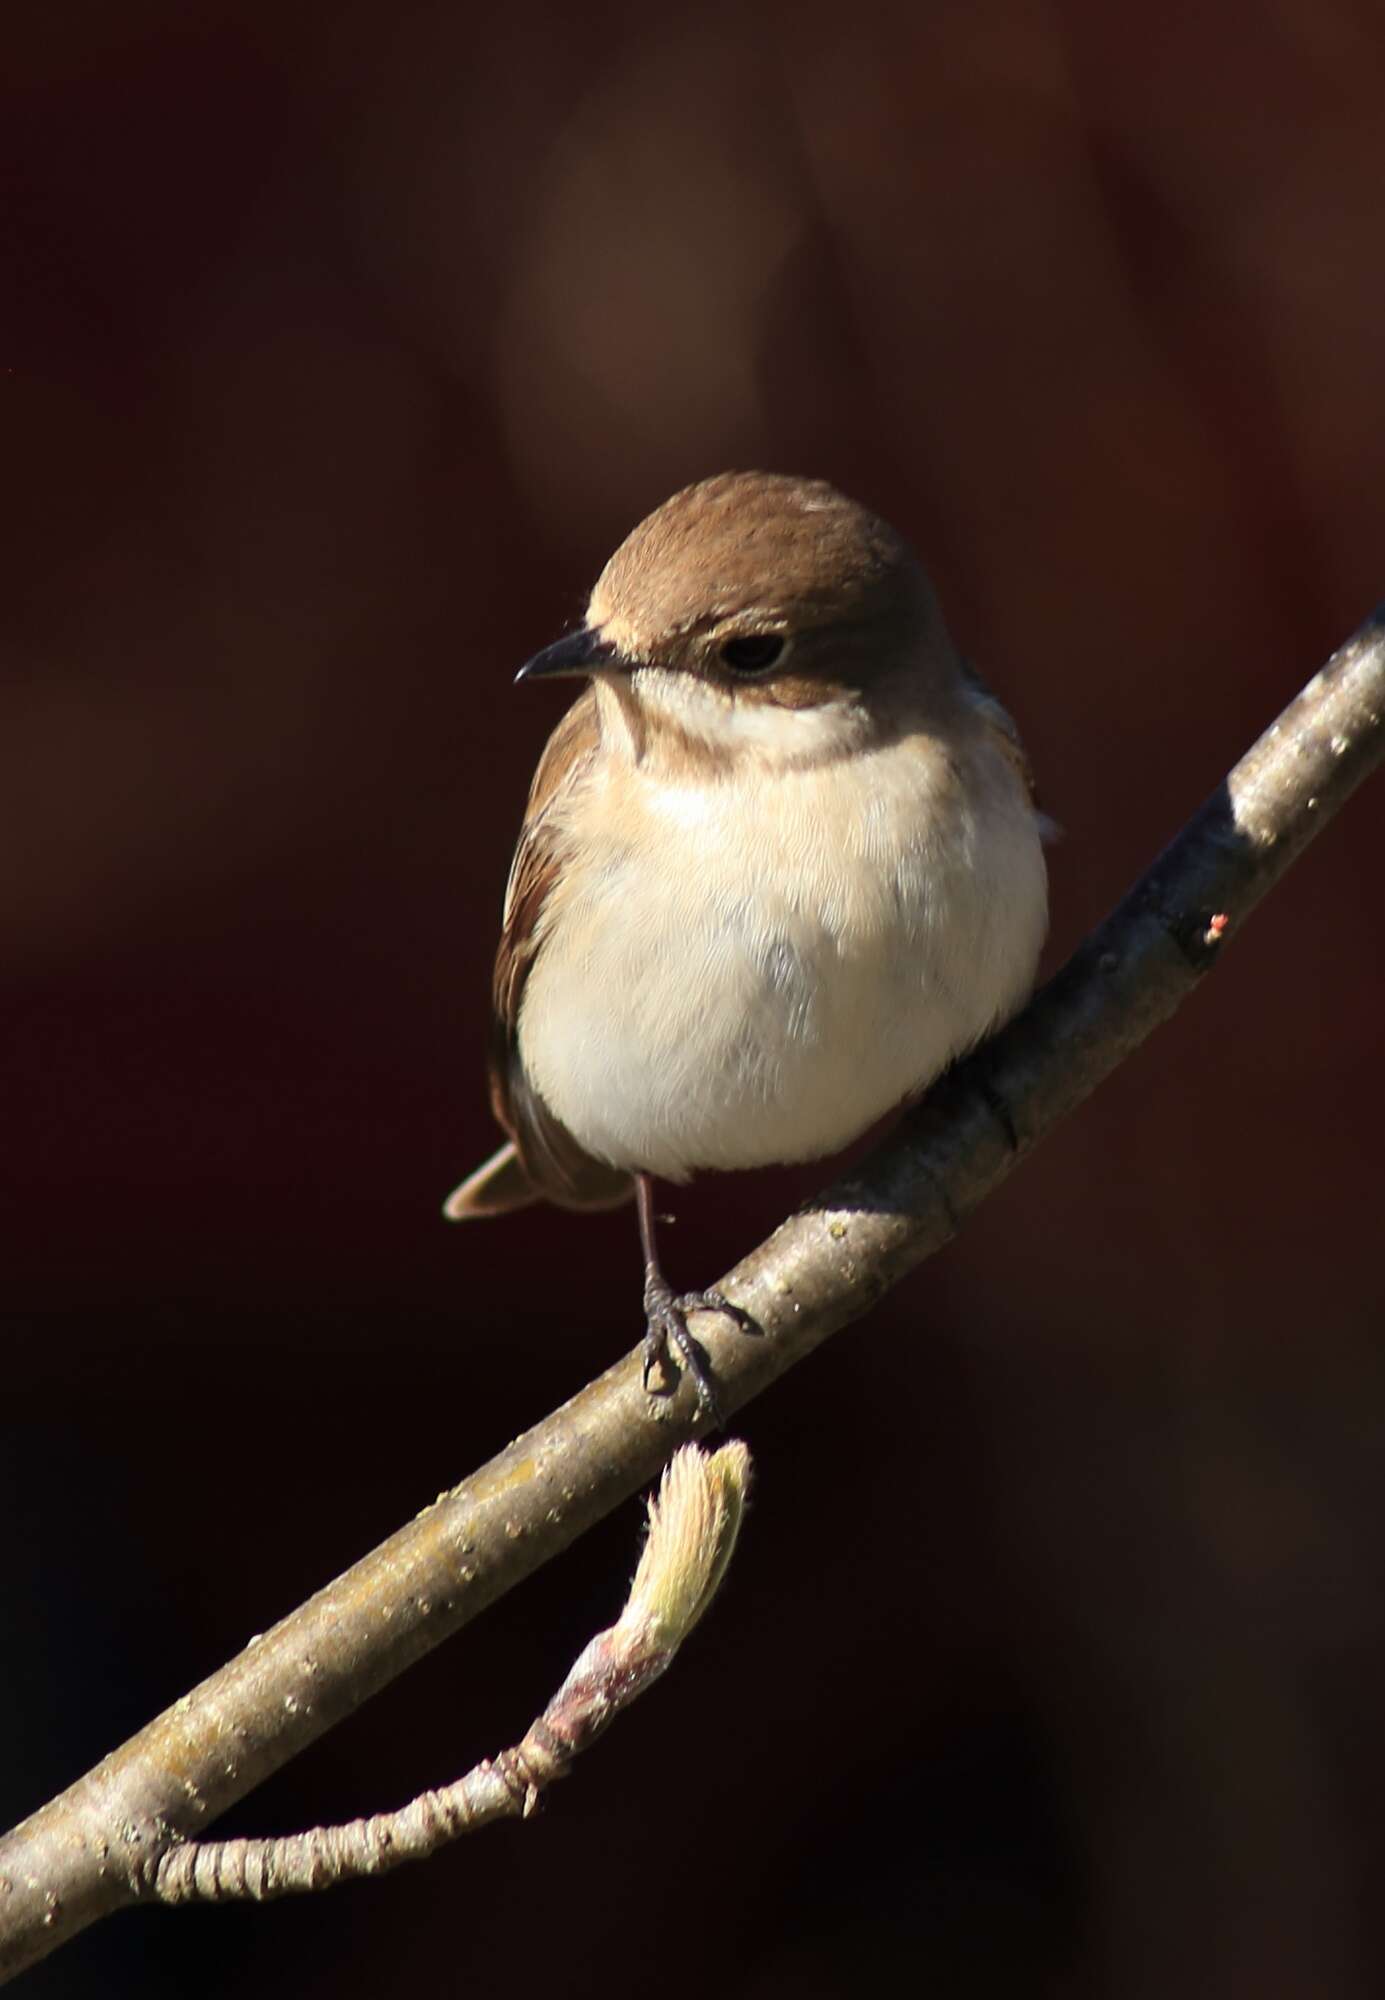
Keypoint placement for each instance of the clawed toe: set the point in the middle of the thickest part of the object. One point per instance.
(666, 1319)
(667, 1328)
(717, 1302)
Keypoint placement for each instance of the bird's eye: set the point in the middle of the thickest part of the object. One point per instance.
(752, 652)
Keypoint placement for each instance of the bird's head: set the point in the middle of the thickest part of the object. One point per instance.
(763, 612)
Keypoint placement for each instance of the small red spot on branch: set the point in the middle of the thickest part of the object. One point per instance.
(1216, 928)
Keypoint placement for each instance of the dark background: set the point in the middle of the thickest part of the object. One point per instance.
(339, 345)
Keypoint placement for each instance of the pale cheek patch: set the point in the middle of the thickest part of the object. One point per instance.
(717, 719)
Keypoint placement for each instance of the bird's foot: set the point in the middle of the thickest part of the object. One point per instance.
(666, 1317)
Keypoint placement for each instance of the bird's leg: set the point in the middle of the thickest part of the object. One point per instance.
(666, 1313)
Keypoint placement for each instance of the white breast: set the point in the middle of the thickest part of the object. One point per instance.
(752, 970)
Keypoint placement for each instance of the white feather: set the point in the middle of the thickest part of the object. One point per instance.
(754, 967)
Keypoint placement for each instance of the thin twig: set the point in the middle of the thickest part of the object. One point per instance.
(693, 1525)
(100, 1844)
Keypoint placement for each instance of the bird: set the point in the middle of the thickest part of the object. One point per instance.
(782, 863)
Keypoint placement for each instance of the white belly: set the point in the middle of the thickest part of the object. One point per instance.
(743, 974)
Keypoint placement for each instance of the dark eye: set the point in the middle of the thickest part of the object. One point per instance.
(753, 652)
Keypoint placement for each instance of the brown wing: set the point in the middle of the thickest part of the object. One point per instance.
(551, 1158)
(1002, 728)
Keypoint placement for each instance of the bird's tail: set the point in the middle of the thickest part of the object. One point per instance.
(498, 1185)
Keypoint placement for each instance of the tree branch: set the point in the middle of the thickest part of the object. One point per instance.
(101, 1843)
(693, 1526)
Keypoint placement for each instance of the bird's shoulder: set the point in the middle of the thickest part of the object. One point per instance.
(563, 766)
(1001, 730)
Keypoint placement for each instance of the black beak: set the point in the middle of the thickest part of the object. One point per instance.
(579, 653)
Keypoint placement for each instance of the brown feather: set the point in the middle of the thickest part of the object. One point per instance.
(556, 1166)
(497, 1186)
(1000, 724)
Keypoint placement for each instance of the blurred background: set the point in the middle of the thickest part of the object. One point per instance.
(338, 346)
